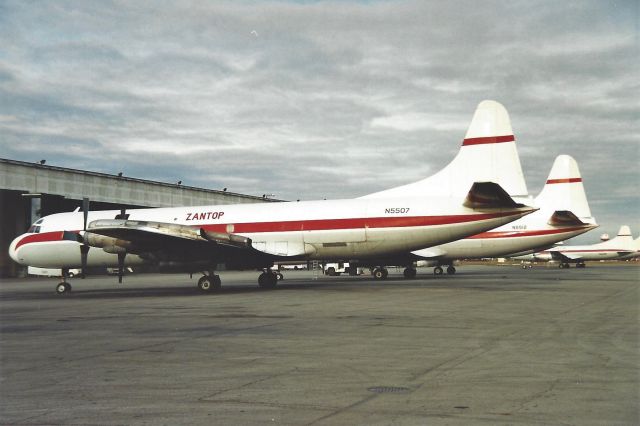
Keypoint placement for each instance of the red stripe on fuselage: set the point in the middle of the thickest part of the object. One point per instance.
(489, 139)
(40, 238)
(310, 225)
(595, 251)
(353, 223)
(567, 180)
(516, 233)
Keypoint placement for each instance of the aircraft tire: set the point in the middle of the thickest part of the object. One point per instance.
(217, 282)
(63, 288)
(205, 284)
(409, 273)
(280, 276)
(331, 271)
(267, 280)
(451, 270)
(437, 270)
(379, 273)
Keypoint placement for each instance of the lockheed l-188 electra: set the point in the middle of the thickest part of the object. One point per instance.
(373, 231)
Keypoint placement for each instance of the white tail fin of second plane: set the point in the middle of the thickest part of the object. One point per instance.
(488, 154)
(564, 190)
(624, 240)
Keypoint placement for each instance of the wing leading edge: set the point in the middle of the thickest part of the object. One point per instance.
(159, 240)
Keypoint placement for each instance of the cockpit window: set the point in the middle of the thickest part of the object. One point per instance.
(35, 228)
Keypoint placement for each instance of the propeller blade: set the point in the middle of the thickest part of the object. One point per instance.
(84, 251)
(84, 248)
(85, 212)
(121, 257)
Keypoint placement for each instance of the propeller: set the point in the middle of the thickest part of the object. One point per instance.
(121, 257)
(84, 248)
(124, 216)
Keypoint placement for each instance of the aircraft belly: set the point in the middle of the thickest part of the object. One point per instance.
(66, 254)
(496, 247)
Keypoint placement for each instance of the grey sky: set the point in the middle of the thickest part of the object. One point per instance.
(322, 99)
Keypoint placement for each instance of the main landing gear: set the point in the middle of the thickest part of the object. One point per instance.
(439, 271)
(209, 281)
(409, 272)
(269, 279)
(380, 273)
(566, 265)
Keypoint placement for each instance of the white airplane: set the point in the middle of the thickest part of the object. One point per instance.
(564, 210)
(564, 213)
(257, 235)
(621, 247)
(636, 251)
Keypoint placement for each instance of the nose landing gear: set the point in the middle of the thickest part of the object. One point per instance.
(64, 287)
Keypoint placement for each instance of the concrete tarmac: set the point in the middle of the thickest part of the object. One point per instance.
(489, 345)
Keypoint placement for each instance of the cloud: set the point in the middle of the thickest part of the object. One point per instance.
(329, 100)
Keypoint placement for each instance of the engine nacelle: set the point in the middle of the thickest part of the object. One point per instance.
(108, 244)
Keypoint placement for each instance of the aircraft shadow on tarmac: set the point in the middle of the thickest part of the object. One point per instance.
(478, 281)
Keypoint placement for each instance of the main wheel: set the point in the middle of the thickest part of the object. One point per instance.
(216, 282)
(267, 280)
(379, 273)
(205, 283)
(280, 276)
(331, 271)
(409, 273)
(437, 270)
(451, 270)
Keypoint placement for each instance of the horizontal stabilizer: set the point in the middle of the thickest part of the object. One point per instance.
(564, 218)
(488, 195)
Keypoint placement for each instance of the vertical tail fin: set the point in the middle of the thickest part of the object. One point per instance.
(625, 231)
(624, 240)
(564, 190)
(488, 154)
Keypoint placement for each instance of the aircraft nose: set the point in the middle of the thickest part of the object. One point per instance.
(13, 252)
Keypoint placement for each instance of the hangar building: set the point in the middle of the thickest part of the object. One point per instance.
(29, 191)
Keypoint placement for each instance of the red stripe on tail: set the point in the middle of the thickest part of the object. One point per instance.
(490, 139)
(567, 180)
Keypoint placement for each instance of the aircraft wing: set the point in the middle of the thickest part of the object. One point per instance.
(168, 241)
(564, 257)
(432, 253)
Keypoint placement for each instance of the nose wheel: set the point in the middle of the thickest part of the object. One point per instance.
(63, 288)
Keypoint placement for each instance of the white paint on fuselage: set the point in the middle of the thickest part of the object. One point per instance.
(359, 242)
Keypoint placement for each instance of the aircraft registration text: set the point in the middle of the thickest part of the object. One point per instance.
(396, 210)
